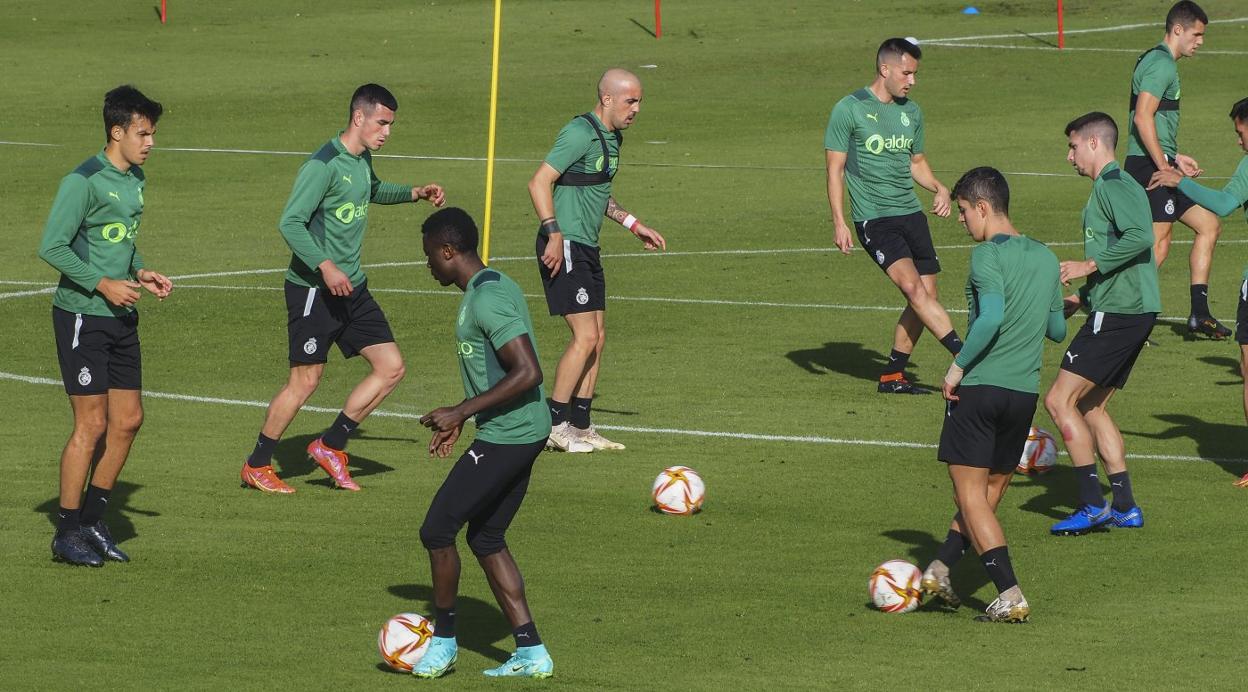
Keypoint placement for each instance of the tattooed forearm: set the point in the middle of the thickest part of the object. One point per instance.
(615, 212)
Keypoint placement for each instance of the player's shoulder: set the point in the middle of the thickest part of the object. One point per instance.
(87, 168)
(908, 105)
(492, 282)
(579, 125)
(328, 152)
(137, 172)
(851, 101)
(1241, 171)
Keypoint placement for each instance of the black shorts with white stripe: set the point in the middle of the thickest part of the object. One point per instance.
(97, 353)
(1105, 349)
(316, 319)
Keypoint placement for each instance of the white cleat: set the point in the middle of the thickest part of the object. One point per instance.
(565, 438)
(590, 435)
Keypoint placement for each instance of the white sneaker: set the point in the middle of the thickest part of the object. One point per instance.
(1006, 610)
(590, 435)
(565, 438)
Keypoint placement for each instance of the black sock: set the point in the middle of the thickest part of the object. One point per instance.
(1120, 486)
(997, 563)
(1200, 300)
(335, 436)
(262, 455)
(558, 411)
(444, 622)
(897, 362)
(579, 413)
(67, 520)
(1089, 486)
(951, 342)
(955, 545)
(526, 635)
(95, 503)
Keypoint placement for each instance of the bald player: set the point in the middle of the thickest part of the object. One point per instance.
(571, 193)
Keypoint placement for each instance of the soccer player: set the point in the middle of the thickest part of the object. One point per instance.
(1152, 145)
(90, 239)
(503, 390)
(1015, 300)
(1122, 295)
(1223, 202)
(327, 297)
(579, 168)
(874, 144)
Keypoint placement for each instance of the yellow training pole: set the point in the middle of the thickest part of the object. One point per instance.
(489, 155)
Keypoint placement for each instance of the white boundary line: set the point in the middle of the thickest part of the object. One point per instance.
(758, 437)
(1095, 30)
(1055, 49)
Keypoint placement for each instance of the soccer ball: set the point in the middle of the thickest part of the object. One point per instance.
(403, 640)
(678, 490)
(894, 587)
(1039, 453)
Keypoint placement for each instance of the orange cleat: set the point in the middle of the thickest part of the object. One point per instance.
(1242, 482)
(334, 462)
(263, 478)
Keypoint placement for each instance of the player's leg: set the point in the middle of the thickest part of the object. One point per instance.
(1062, 402)
(257, 470)
(1208, 228)
(90, 425)
(582, 403)
(1124, 513)
(125, 417)
(1161, 241)
(1242, 337)
(575, 365)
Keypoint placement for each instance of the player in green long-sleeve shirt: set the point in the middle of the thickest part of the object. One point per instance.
(327, 297)
(90, 239)
(1222, 202)
(1121, 293)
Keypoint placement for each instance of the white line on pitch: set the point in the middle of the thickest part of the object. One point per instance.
(1055, 49)
(1094, 30)
(811, 439)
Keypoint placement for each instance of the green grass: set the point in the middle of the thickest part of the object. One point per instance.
(765, 588)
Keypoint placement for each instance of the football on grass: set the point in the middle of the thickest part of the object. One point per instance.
(894, 587)
(678, 490)
(1039, 453)
(403, 640)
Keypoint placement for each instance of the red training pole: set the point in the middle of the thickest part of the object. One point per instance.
(658, 19)
(1061, 34)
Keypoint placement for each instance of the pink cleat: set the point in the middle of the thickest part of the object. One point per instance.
(334, 462)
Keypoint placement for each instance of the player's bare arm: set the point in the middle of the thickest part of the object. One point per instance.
(836, 200)
(541, 187)
(120, 292)
(156, 283)
(922, 173)
(647, 235)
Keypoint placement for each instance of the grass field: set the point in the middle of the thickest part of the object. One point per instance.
(748, 351)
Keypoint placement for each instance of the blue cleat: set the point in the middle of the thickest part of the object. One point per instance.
(527, 662)
(101, 540)
(1131, 519)
(1082, 521)
(439, 659)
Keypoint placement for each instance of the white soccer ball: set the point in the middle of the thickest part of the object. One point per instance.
(894, 587)
(403, 640)
(1039, 453)
(678, 490)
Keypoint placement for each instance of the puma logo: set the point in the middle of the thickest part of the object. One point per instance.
(475, 457)
(1071, 357)
(873, 117)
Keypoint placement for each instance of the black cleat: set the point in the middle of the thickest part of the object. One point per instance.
(1208, 326)
(72, 547)
(98, 537)
(899, 385)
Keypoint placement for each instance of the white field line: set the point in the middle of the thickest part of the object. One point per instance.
(1055, 49)
(1095, 30)
(23, 294)
(760, 437)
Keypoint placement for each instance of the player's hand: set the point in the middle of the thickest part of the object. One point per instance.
(1070, 305)
(444, 419)
(844, 239)
(432, 192)
(650, 238)
(336, 281)
(941, 203)
(157, 284)
(953, 378)
(1188, 166)
(442, 442)
(1167, 178)
(120, 292)
(552, 256)
(1075, 269)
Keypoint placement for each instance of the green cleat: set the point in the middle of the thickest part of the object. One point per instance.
(527, 662)
(439, 659)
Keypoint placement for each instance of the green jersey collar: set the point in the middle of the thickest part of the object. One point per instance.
(342, 148)
(1111, 166)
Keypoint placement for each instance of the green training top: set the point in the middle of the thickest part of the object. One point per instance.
(878, 139)
(579, 209)
(1118, 234)
(1224, 201)
(492, 313)
(1024, 273)
(327, 212)
(90, 234)
(1156, 73)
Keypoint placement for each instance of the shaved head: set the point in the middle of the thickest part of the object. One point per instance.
(615, 81)
(619, 98)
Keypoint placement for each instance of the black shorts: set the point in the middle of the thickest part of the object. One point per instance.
(987, 427)
(890, 238)
(484, 490)
(580, 285)
(1167, 203)
(316, 318)
(1105, 349)
(97, 353)
(1241, 316)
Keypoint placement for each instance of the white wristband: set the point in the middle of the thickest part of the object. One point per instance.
(629, 222)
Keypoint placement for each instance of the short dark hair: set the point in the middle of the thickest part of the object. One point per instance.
(369, 96)
(895, 48)
(452, 226)
(1100, 124)
(1185, 13)
(1239, 112)
(125, 102)
(984, 184)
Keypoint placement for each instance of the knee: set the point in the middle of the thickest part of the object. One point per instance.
(485, 541)
(437, 534)
(88, 429)
(1055, 404)
(393, 373)
(128, 424)
(304, 382)
(913, 290)
(586, 341)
